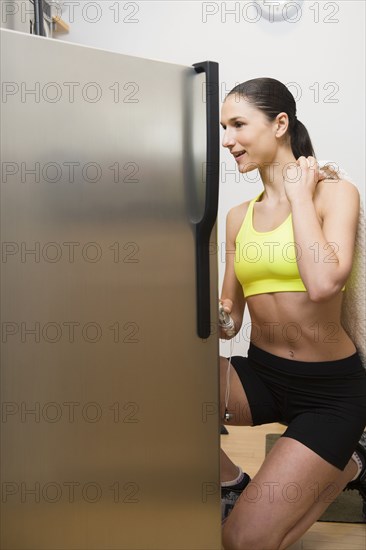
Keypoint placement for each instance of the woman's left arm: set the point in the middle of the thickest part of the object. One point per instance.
(324, 254)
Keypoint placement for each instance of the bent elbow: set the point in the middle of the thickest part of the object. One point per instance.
(318, 297)
(325, 293)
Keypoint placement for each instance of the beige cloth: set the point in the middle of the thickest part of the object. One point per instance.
(353, 314)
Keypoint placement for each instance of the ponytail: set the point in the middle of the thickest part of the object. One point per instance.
(300, 141)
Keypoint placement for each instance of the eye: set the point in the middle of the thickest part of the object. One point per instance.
(239, 124)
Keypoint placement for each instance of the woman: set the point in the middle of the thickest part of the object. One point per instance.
(288, 256)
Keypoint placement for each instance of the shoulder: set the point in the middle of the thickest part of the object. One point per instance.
(333, 194)
(235, 218)
(331, 185)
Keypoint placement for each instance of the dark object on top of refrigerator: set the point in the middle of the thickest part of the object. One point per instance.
(38, 18)
(28, 16)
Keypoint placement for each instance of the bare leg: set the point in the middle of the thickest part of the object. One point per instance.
(324, 500)
(229, 470)
(280, 503)
(239, 407)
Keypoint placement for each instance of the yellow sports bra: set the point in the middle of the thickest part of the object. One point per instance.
(266, 261)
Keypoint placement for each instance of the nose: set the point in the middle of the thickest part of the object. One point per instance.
(228, 138)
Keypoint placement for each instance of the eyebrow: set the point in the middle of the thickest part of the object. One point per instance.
(233, 119)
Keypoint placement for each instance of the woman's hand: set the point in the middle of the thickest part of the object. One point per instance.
(227, 306)
(301, 178)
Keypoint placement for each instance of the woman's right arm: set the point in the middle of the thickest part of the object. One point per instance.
(232, 296)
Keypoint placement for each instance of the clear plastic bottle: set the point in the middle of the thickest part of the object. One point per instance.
(226, 322)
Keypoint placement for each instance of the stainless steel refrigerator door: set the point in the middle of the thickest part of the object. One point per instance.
(110, 427)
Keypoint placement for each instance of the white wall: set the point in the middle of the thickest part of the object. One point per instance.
(322, 55)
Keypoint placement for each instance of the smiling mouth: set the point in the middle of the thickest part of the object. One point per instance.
(239, 154)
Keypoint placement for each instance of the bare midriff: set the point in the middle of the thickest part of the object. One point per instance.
(290, 325)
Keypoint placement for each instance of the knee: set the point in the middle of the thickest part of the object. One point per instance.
(239, 539)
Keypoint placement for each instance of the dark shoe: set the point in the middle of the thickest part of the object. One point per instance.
(229, 496)
(359, 484)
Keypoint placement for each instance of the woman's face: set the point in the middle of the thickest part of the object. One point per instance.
(247, 129)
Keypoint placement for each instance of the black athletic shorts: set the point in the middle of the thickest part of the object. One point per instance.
(323, 403)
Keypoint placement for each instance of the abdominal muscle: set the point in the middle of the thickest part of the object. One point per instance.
(290, 325)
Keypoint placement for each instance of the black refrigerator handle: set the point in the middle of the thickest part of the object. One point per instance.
(204, 227)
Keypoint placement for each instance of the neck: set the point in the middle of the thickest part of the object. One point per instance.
(272, 176)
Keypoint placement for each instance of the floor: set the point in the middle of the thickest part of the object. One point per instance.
(246, 447)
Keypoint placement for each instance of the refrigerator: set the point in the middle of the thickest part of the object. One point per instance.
(110, 421)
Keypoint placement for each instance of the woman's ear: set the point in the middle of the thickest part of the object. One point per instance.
(281, 124)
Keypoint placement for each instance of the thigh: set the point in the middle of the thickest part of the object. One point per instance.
(251, 398)
(327, 412)
(281, 493)
(238, 405)
(332, 435)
